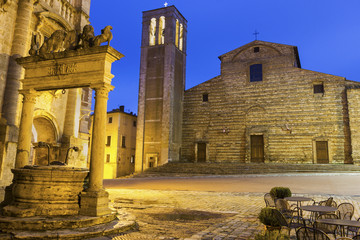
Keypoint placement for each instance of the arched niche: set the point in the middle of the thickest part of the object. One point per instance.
(44, 130)
(255, 115)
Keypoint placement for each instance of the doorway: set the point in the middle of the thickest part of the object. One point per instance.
(152, 159)
(257, 148)
(201, 152)
(322, 153)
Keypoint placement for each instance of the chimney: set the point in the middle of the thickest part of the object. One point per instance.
(122, 108)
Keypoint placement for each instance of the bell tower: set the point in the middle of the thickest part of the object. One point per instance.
(161, 88)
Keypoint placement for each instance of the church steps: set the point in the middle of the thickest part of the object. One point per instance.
(230, 168)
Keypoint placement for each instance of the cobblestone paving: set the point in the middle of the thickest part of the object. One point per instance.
(243, 225)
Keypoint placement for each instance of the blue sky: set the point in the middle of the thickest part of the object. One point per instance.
(326, 32)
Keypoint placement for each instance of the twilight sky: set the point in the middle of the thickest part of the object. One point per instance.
(326, 32)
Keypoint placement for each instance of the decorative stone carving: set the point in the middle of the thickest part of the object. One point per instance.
(102, 92)
(34, 50)
(55, 43)
(71, 40)
(63, 41)
(3, 5)
(87, 36)
(29, 95)
(105, 36)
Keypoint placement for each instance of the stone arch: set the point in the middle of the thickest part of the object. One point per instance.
(58, 19)
(255, 108)
(44, 130)
(256, 116)
(237, 56)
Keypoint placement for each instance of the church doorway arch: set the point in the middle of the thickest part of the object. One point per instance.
(45, 131)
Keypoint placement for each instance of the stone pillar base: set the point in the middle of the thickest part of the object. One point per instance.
(94, 203)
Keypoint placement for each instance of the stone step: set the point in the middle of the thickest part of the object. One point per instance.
(110, 228)
(179, 168)
(40, 223)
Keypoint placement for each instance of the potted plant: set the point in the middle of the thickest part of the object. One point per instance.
(280, 192)
(267, 217)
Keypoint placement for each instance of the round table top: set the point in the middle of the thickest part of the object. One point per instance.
(342, 222)
(316, 208)
(298, 199)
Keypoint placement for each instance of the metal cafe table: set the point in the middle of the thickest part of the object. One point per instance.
(318, 209)
(298, 201)
(340, 222)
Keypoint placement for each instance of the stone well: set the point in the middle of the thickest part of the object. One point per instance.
(46, 191)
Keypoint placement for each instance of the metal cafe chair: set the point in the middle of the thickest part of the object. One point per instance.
(269, 201)
(308, 233)
(288, 223)
(345, 211)
(327, 228)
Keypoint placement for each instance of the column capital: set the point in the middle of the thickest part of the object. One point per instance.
(102, 90)
(30, 95)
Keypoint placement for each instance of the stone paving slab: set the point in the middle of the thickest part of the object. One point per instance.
(246, 206)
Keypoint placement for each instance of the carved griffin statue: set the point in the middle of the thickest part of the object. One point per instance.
(105, 36)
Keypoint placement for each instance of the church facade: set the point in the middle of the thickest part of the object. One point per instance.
(263, 107)
(61, 117)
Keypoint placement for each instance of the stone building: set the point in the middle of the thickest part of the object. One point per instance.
(120, 143)
(263, 107)
(61, 118)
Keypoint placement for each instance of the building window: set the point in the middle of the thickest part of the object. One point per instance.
(134, 123)
(181, 37)
(256, 49)
(319, 88)
(108, 141)
(123, 142)
(110, 119)
(107, 158)
(177, 33)
(161, 37)
(152, 31)
(256, 73)
(205, 97)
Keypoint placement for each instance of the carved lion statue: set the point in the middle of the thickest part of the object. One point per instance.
(71, 40)
(105, 36)
(54, 43)
(87, 36)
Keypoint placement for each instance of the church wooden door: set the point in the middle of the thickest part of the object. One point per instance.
(322, 154)
(257, 148)
(201, 152)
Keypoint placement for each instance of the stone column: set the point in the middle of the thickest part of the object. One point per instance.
(19, 48)
(24, 142)
(94, 201)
